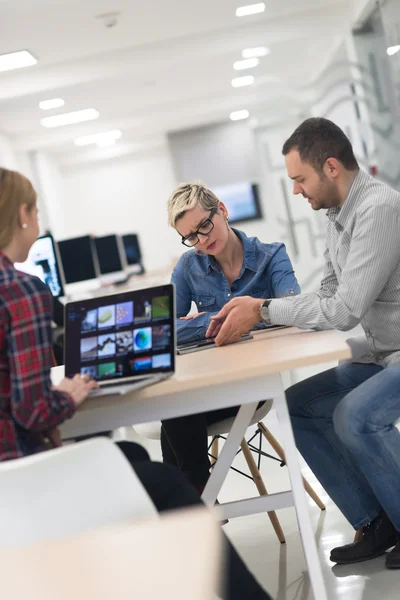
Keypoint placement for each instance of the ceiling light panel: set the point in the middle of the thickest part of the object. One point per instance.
(242, 81)
(257, 52)
(239, 115)
(71, 118)
(16, 60)
(250, 9)
(53, 103)
(104, 139)
(248, 63)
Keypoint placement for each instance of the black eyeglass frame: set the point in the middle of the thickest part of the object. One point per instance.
(213, 212)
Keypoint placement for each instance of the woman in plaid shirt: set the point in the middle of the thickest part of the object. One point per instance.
(30, 408)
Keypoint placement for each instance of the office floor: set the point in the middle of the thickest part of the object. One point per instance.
(281, 568)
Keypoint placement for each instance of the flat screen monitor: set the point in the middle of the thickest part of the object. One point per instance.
(132, 248)
(132, 251)
(78, 258)
(242, 201)
(111, 261)
(43, 262)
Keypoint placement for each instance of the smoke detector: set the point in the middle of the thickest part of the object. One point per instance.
(109, 19)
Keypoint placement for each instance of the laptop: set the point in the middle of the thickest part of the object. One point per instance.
(125, 341)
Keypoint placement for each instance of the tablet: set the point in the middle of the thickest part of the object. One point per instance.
(196, 346)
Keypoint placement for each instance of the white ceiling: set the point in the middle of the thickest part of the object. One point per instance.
(166, 65)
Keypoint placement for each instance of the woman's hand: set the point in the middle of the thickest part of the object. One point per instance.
(78, 387)
(192, 316)
(52, 438)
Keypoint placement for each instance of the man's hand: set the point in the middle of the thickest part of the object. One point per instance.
(192, 316)
(234, 319)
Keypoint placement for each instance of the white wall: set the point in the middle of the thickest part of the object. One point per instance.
(120, 196)
(7, 155)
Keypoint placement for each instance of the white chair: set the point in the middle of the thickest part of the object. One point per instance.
(67, 491)
(221, 428)
(175, 557)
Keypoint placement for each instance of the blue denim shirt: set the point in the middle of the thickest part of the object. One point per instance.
(266, 273)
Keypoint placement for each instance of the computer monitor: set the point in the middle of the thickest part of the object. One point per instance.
(242, 201)
(132, 253)
(43, 262)
(111, 258)
(79, 259)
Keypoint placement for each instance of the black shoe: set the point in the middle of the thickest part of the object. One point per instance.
(393, 558)
(377, 537)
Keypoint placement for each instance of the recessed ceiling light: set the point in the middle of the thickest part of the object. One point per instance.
(53, 103)
(255, 52)
(392, 50)
(250, 9)
(71, 118)
(16, 60)
(239, 115)
(242, 81)
(99, 138)
(249, 63)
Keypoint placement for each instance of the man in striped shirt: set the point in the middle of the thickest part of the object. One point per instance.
(343, 419)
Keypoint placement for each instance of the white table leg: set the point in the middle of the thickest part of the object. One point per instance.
(228, 452)
(300, 502)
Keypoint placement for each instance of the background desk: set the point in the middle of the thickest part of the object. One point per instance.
(238, 375)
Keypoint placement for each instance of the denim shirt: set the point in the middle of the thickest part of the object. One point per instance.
(266, 273)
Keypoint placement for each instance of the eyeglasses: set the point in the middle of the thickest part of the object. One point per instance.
(205, 229)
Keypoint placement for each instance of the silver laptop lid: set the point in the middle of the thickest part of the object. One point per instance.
(121, 336)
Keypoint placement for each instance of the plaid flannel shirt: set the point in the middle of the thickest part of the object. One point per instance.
(28, 405)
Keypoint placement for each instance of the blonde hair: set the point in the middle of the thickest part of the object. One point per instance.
(187, 196)
(15, 190)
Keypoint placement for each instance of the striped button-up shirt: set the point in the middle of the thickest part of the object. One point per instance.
(361, 281)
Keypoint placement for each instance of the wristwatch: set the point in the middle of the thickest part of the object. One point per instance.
(264, 312)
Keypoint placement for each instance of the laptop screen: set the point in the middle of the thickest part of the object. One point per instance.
(121, 336)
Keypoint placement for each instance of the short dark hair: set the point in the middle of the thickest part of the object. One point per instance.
(318, 139)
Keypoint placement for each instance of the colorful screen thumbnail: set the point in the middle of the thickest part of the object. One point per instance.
(142, 339)
(160, 306)
(106, 316)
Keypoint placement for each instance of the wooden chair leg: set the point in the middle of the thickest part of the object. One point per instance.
(214, 451)
(279, 450)
(255, 473)
(358, 535)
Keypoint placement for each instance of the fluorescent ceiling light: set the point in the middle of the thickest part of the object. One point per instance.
(71, 118)
(255, 52)
(249, 63)
(53, 103)
(101, 139)
(239, 115)
(242, 81)
(250, 9)
(16, 60)
(393, 50)
(106, 143)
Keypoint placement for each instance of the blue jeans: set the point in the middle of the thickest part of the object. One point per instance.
(343, 422)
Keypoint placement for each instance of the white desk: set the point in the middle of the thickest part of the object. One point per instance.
(241, 374)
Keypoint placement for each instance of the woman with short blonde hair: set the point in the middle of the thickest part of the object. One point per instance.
(222, 263)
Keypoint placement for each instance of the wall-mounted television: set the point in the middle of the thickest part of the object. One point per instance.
(242, 201)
